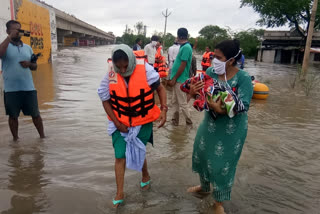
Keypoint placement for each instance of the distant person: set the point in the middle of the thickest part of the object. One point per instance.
(172, 54)
(131, 120)
(207, 58)
(19, 91)
(179, 74)
(193, 67)
(241, 62)
(160, 64)
(150, 49)
(137, 46)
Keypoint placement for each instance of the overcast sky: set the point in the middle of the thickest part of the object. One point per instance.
(114, 15)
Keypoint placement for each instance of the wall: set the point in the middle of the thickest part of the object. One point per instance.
(35, 19)
(268, 56)
(5, 15)
(69, 41)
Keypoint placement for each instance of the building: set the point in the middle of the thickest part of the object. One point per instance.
(287, 47)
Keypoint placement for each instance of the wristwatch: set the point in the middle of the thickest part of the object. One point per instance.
(164, 108)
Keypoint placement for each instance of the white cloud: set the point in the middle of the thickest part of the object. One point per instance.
(114, 15)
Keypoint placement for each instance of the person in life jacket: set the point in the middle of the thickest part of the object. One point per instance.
(207, 58)
(160, 64)
(127, 95)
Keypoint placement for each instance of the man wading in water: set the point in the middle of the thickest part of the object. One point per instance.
(127, 95)
(19, 91)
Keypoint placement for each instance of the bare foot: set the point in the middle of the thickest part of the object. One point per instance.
(195, 189)
(145, 180)
(197, 192)
(15, 139)
(218, 209)
(118, 197)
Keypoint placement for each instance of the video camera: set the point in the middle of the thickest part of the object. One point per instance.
(24, 33)
(34, 58)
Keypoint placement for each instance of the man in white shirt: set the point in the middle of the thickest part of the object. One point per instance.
(150, 49)
(172, 54)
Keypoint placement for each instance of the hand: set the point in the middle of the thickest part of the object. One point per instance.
(13, 34)
(25, 64)
(195, 87)
(172, 82)
(122, 128)
(216, 106)
(163, 118)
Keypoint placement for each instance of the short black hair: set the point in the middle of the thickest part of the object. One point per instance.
(155, 38)
(182, 33)
(138, 40)
(230, 49)
(12, 22)
(209, 47)
(191, 45)
(119, 55)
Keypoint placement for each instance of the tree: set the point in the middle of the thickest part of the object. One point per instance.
(213, 32)
(169, 40)
(276, 13)
(139, 28)
(249, 41)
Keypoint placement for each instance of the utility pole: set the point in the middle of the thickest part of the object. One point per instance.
(166, 15)
(305, 64)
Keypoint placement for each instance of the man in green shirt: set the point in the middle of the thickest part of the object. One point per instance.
(179, 74)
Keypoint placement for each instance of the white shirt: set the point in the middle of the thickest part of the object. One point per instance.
(172, 53)
(150, 51)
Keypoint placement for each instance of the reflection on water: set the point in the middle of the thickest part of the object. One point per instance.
(72, 171)
(26, 180)
(44, 81)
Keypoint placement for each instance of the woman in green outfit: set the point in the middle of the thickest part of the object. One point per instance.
(218, 143)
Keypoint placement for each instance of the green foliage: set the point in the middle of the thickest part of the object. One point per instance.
(168, 40)
(130, 39)
(139, 28)
(276, 13)
(249, 42)
(213, 32)
(210, 36)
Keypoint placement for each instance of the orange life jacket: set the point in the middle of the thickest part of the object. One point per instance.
(162, 67)
(133, 105)
(206, 61)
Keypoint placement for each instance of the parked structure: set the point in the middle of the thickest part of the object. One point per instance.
(287, 47)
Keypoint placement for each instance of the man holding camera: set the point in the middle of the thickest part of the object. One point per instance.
(19, 90)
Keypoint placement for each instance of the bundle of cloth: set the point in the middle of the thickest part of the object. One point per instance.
(214, 90)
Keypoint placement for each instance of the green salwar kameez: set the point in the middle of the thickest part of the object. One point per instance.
(218, 143)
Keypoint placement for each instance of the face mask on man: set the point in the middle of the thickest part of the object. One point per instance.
(154, 43)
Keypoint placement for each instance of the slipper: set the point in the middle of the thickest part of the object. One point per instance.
(115, 202)
(142, 184)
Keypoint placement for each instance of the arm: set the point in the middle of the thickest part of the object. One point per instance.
(103, 92)
(108, 109)
(163, 101)
(27, 64)
(245, 90)
(4, 45)
(180, 71)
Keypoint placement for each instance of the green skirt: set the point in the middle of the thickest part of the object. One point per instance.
(119, 144)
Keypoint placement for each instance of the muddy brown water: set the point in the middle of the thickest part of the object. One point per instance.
(71, 171)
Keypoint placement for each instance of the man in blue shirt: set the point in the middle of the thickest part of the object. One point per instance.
(19, 91)
(179, 74)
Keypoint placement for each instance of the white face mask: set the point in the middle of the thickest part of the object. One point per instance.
(220, 67)
(154, 43)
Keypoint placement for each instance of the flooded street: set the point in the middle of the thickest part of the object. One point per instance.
(71, 171)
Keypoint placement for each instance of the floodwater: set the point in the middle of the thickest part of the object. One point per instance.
(71, 171)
